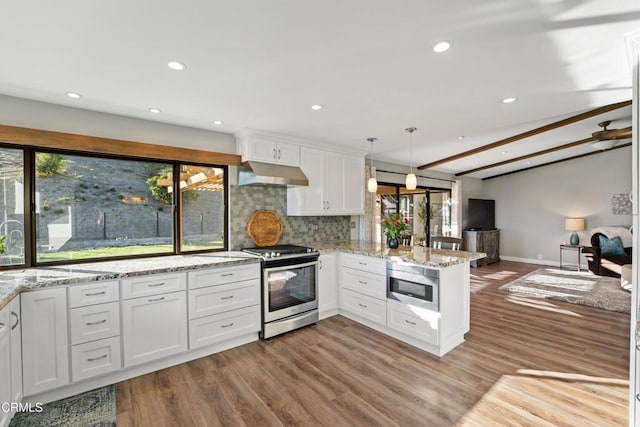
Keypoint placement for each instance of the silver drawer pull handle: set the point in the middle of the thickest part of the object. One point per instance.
(93, 359)
(94, 294)
(96, 323)
(13, 313)
(155, 299)
(156, 284)
(362, 263)
(638, 396)
(2, 325)
(411, 323)
(226, 274)
(362, 283)
(227, 326)
(638, 346)
(362, 305)
(229, 297)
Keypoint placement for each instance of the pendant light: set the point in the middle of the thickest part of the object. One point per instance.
(411, 182)
(372, 184)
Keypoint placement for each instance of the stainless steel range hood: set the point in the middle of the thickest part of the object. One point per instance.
(251, 172)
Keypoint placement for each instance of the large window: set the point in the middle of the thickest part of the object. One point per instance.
(88, 207)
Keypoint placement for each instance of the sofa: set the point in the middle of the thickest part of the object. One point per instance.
(608, 260)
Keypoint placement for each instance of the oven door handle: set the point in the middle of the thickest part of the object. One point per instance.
(290, 266)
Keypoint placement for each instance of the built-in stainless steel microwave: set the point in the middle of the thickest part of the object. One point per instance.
(413, 284)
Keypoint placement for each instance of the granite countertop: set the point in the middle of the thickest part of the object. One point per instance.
(438, 258)
(12, 282)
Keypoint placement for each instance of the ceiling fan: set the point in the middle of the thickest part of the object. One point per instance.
(608, 138)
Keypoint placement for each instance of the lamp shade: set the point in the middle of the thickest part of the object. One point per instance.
(372, 185)
(574, 224)
(411, 182)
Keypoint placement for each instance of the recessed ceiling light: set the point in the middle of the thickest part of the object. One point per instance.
(176, 65)
(504, 152)
(461, 137)
(316, 107)
(217, 122)
(74, 95)
(509, 100)
(441, 47)
(528, 163)
(155, 110)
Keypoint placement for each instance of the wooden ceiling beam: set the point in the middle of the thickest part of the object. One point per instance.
(536, 131)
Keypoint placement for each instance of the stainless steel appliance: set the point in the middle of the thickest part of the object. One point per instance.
(289, 287)
(413, 284)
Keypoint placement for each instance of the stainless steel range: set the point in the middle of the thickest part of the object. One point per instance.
(289, 287)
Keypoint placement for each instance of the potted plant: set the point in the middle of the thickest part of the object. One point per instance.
(394, 225)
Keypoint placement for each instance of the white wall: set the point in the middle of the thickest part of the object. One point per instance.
(39, 115)
(531, 206)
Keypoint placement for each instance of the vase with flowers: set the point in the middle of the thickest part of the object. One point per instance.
(394, 225)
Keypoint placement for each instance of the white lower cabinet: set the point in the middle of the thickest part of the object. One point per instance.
(219, 327)
(417, 322)
(364, 306)
(16, 349)
(328, 285)
(45, 340)
(154, 327)
(5, 365)
(95, 358)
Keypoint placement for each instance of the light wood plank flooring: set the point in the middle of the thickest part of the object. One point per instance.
(525, 362)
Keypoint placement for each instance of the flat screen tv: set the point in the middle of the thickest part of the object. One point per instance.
(482, 214)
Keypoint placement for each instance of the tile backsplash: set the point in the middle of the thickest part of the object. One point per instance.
(246, 199)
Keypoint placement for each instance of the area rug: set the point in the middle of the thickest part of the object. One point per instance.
(584, 288)
(96, 408)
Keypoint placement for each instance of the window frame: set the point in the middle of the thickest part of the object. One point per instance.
(29, 197)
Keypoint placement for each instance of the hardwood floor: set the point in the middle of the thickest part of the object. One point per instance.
(525, 362)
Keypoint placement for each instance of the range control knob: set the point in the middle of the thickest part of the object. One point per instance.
(277, 253)
(273, 254)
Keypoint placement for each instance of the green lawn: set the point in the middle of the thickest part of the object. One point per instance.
(123, 251)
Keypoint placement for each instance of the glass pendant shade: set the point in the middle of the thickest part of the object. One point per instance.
(372, 185)
(411, 182)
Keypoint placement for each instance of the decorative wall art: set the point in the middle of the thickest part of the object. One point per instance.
(621, 204)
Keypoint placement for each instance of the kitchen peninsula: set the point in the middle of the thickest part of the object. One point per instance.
(418, 295)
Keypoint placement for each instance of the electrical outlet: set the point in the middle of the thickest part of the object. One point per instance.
(314, 227)
(353, 224)
(539, 256)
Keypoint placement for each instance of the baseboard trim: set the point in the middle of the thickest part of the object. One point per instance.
(543, 262)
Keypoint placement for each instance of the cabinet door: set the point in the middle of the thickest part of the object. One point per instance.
(288, 154)
(45, 341)
(263, 150)
(334, 183)
(354, 185)
(328, 284)
(309, 200)
(16, 350)
(5, 364)
(154, 327)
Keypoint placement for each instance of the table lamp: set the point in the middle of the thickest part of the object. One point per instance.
(574, 224)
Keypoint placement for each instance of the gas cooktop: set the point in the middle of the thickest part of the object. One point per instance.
(279, 251)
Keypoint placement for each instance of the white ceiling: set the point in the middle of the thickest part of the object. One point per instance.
(262, 64)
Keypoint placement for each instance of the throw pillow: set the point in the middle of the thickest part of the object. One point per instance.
(611, 246)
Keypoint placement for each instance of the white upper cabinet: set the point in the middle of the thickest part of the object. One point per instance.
(336, 184)
(268, 149)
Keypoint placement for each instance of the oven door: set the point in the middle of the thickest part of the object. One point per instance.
(289, 290)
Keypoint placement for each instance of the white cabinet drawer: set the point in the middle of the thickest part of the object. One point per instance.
(93, 293)
(220, 327)
(224, 275)
(373, 285)
(365, 263)
(218, 299)
(94, 322)
(95, 358)
(365, 306)
(153, 285)
(415, 321)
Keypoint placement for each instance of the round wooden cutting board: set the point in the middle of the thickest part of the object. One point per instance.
(265, 228)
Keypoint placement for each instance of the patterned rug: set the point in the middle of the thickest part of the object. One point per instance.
(576, 287)
(96, 408)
